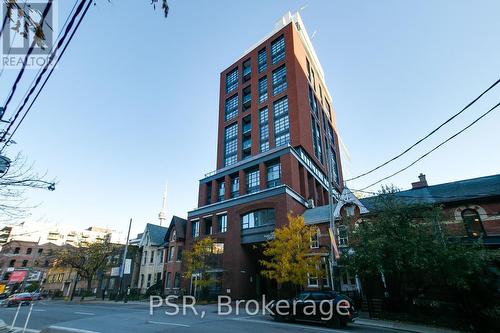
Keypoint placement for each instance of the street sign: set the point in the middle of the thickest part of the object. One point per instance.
(34, 276)
(128, 266)
(115, 271)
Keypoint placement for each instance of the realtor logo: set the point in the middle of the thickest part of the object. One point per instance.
(30, 24)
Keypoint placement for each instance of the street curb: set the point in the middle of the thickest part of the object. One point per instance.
(414, 328)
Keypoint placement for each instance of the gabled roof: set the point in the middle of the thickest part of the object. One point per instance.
(155, 233)
(459, 191)
(321, 214)
(179, 224)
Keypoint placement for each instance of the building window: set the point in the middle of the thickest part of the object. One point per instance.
(145, 258)
(279, 80)
(141, 283)
(258, 218)
(342, 234)
(195, 229)
(263, 89)
(16, 250)
(208, 226)
(312, 101)
(473, 223)
(231, 144)
(169, 280)
(281, 122)
(274, 175)
(209, 193)
(179, 253)
(316, 138)
(222, 190)
(40, 251)
(247, 70)
(29, 250)
(12, 263)
(278, 49)
(253, 181)
(231, 107)
(171, 253)
(246, 137)
(264, 129)
(312, 281)
(314, 244)
(335, 168)
(247, 98)
(177, 280)
(235, 187)
(149, 281)
(222, 223)
(160, 256)
(232, 80)
(262, 60)
(152, 258)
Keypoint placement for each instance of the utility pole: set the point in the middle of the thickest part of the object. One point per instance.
(122, 269)
(331, 206)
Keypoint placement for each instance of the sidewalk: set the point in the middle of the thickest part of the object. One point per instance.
(401, 326)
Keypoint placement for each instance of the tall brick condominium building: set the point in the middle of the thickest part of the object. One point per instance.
(277, 141)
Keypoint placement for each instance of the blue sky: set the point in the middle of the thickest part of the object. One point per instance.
(134, 102)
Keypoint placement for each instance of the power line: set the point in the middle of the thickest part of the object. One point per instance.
(41, 68)
(30, 50)
(38, 80)
(435, 148)
(428, 135)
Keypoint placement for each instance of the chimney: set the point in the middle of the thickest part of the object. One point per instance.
(422, 182)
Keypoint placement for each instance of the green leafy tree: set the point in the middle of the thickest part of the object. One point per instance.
(405, 241)
(87, 259)
(288, 255)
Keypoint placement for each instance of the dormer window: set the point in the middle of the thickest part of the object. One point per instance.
(173, 236)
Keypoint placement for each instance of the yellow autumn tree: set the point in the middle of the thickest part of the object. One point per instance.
(199, 263)
(288, 255)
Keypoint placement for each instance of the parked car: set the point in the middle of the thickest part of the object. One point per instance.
(36, 296)
(15, 299)
(327, 307)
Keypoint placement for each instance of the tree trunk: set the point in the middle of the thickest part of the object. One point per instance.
(89, 287)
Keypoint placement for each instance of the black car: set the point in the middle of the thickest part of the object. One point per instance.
(328, 307)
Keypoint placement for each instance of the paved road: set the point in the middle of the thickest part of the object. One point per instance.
(119, 317)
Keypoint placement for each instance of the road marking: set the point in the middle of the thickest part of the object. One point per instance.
(39, 310)
(75, 330)
(164, 323)
(84, 313)
(29, 330)
(273, 323)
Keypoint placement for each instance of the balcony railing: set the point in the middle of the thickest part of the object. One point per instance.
(247, 71)
(247, 144)
(247, 128)
(247, 99)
